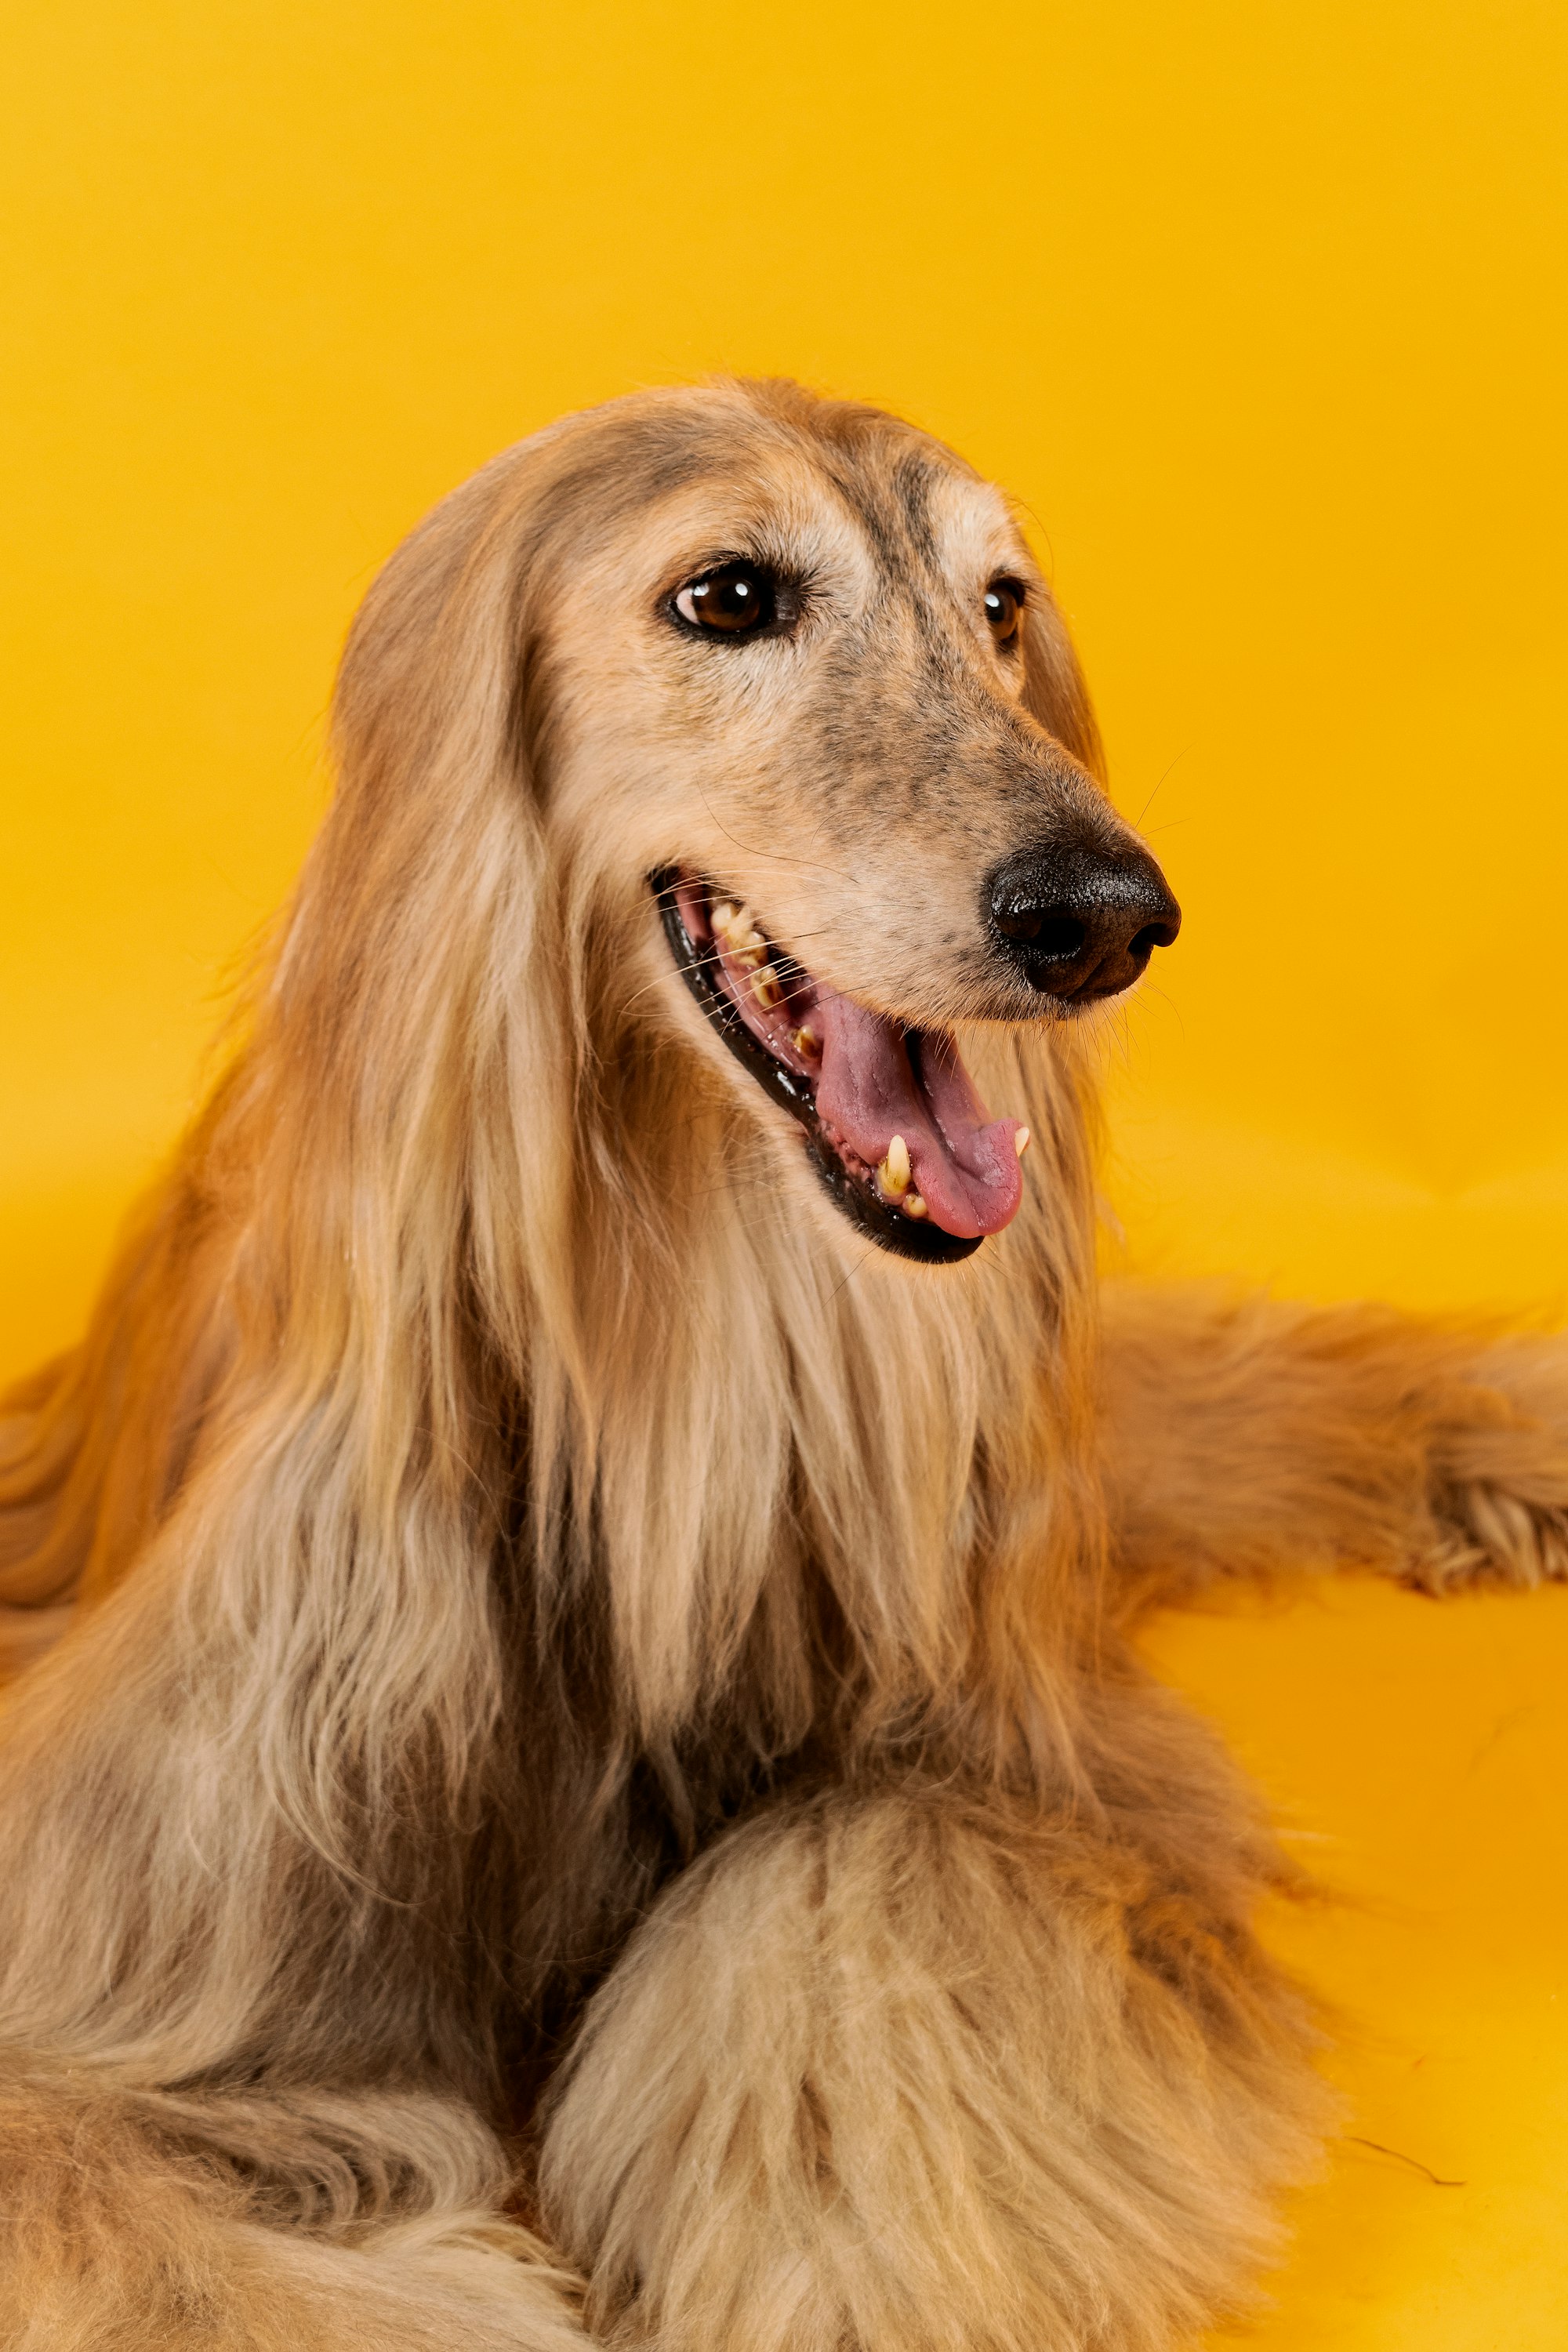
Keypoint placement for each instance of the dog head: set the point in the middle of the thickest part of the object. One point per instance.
(788, 680)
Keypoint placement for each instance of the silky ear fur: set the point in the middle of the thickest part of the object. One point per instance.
(1055, 692)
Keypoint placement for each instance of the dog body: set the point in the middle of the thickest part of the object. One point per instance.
(578, 1767)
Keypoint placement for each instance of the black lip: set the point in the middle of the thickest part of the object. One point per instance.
(926, 1243)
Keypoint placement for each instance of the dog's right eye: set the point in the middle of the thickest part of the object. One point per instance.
(729, 601)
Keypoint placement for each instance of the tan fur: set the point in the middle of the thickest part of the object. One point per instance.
(589, 1690)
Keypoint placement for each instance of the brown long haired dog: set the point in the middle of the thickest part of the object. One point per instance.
(592, 1781)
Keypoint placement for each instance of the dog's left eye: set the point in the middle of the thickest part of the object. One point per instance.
(728, 600)
(1004, 609)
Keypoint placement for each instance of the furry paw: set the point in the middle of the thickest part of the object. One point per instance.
(1491, 1536)
(1498, 1485)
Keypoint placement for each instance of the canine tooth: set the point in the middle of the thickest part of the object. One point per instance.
(913, 1205)
(805, 1041)
(766, 990)
(735, 926)
(893, 1175)
(1021, 1141)
(740, 934)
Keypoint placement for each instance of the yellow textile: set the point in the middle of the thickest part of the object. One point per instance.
(1260, 308)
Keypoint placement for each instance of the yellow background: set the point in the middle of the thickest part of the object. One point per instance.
(1260, 308)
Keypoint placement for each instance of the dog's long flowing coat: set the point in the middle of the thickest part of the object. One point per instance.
(592, 1780)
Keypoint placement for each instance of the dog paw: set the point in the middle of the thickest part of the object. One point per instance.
(1488, 1537)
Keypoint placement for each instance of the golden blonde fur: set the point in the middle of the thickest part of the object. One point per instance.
(578, 1767)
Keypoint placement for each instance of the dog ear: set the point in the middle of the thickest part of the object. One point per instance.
(1054, 689)
(420, 1020)
(427, 692)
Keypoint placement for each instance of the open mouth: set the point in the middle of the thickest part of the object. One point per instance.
(891, 1120)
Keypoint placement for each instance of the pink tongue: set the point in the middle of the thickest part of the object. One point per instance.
(965, 1162)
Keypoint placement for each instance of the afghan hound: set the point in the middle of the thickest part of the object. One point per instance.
(575, 1771)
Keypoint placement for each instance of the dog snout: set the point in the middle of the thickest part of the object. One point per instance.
(1078, 920)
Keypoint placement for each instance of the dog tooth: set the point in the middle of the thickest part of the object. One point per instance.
(893, 1175)
(740, 934)
(766, 990)
(913, 1206)
(807, 1042)
(1021, 1141)
(735, 927)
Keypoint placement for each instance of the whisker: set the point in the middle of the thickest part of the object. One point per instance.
(1148, 803)
(779, 856)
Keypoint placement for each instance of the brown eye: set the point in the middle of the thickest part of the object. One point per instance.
(730, 600)
(1004, 609)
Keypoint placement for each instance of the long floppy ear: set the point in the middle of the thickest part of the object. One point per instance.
(371, 1111)
(1054, 689)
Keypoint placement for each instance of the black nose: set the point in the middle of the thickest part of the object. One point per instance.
(1080, 920)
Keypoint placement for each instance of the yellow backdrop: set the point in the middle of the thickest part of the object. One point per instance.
(1258, 306)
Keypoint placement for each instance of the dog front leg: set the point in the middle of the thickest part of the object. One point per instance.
(1239, 1438)
(907, 2072)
